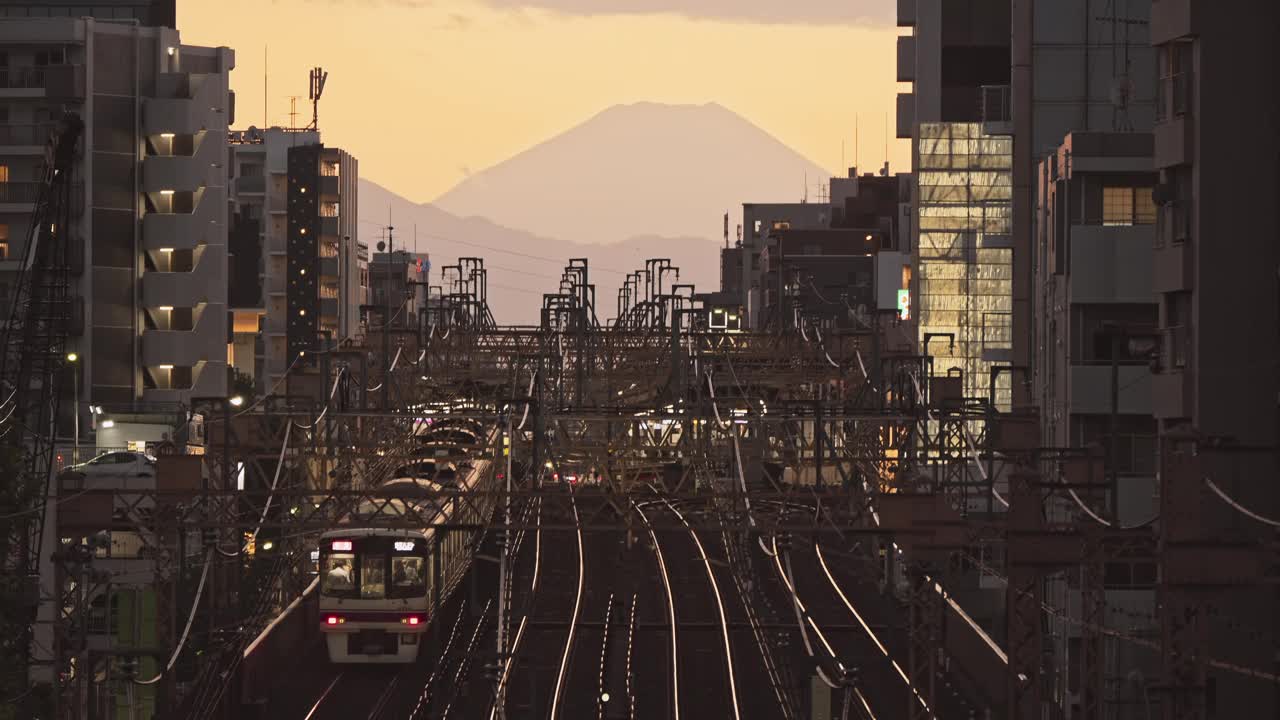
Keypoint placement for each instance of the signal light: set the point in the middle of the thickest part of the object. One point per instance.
(334, 620)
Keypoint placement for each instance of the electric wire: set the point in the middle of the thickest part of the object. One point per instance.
(186, 630)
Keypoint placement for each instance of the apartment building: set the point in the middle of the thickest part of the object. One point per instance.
(1096, 318)
(150, 212)
(148, 13)
(1075, 66)
(297, 268)
(1097, 314)
(1215, 276)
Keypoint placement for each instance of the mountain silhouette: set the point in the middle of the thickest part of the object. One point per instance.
(633, 170)
(523, 266)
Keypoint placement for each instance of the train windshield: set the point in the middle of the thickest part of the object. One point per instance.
(338, 575)
(373, 577)
(408, 577)
(374, 568)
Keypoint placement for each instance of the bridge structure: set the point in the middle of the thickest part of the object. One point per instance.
(692, 522)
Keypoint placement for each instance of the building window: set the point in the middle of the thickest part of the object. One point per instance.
(4, 242)
(1135, 440)
(4, 173)
(1122, 206)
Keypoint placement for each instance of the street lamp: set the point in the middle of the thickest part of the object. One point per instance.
(237, 400)
(72, 359)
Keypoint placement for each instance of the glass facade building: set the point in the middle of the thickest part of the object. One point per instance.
(965, 256)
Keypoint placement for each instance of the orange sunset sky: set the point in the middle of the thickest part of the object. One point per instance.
(424, 92)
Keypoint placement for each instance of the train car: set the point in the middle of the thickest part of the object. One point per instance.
(380, 587)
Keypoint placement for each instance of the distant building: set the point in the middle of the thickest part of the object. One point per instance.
(841, 275)
(296, 264)
(397, 290)
(869, 204)
(150, 211)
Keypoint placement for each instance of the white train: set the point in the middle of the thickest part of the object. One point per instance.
(378, 585)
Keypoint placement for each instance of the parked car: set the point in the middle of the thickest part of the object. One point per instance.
(117, 465)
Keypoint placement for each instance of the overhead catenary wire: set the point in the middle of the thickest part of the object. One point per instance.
(182, 641)
(1237, 506)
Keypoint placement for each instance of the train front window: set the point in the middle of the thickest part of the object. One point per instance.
(373, 577)
(408, 577)
(338, 574)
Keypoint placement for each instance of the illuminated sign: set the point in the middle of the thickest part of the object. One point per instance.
(904, 304)
(403, 546)
(342, 546)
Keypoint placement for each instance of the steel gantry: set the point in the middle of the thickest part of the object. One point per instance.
(841, 437)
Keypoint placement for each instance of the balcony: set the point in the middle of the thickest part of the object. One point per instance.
(329, 308)
(1173, 268)
(183, 231)
(997, 109)
(328, 227)
(906, 114)
(184, 173)
(1171, 395)
(329, 267)
(25, 138)
(1091, 389)
(189, 104)
(1111, 264)
(906, 13)
(186, 348)
(1174, 130)
(1175, 348)
(185, 289)
(19, 193)
(1173, 19)
(53, 81)
(329, 185)
(906, 58)
(251, 185)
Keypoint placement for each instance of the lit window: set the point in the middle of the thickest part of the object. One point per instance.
(4, 173)
(4, 245)
(1117, 206)
(1144, 207)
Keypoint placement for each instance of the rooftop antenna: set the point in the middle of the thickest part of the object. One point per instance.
(318, 78)
(855, 141)
(293, 112)
(266, 123)
(806, 187)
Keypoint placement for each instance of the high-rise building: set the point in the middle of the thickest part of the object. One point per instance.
(957, 59)
(296, 260)
(1020, 77)
(1095, 324)
(148, 13)
(149, 206)
(1075, 67)
(1215, 276)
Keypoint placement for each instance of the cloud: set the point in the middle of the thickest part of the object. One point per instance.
(763, 11)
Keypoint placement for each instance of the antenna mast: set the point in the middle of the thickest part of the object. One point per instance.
(318, 78)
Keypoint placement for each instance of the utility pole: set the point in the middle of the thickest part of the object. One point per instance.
(386, 319)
